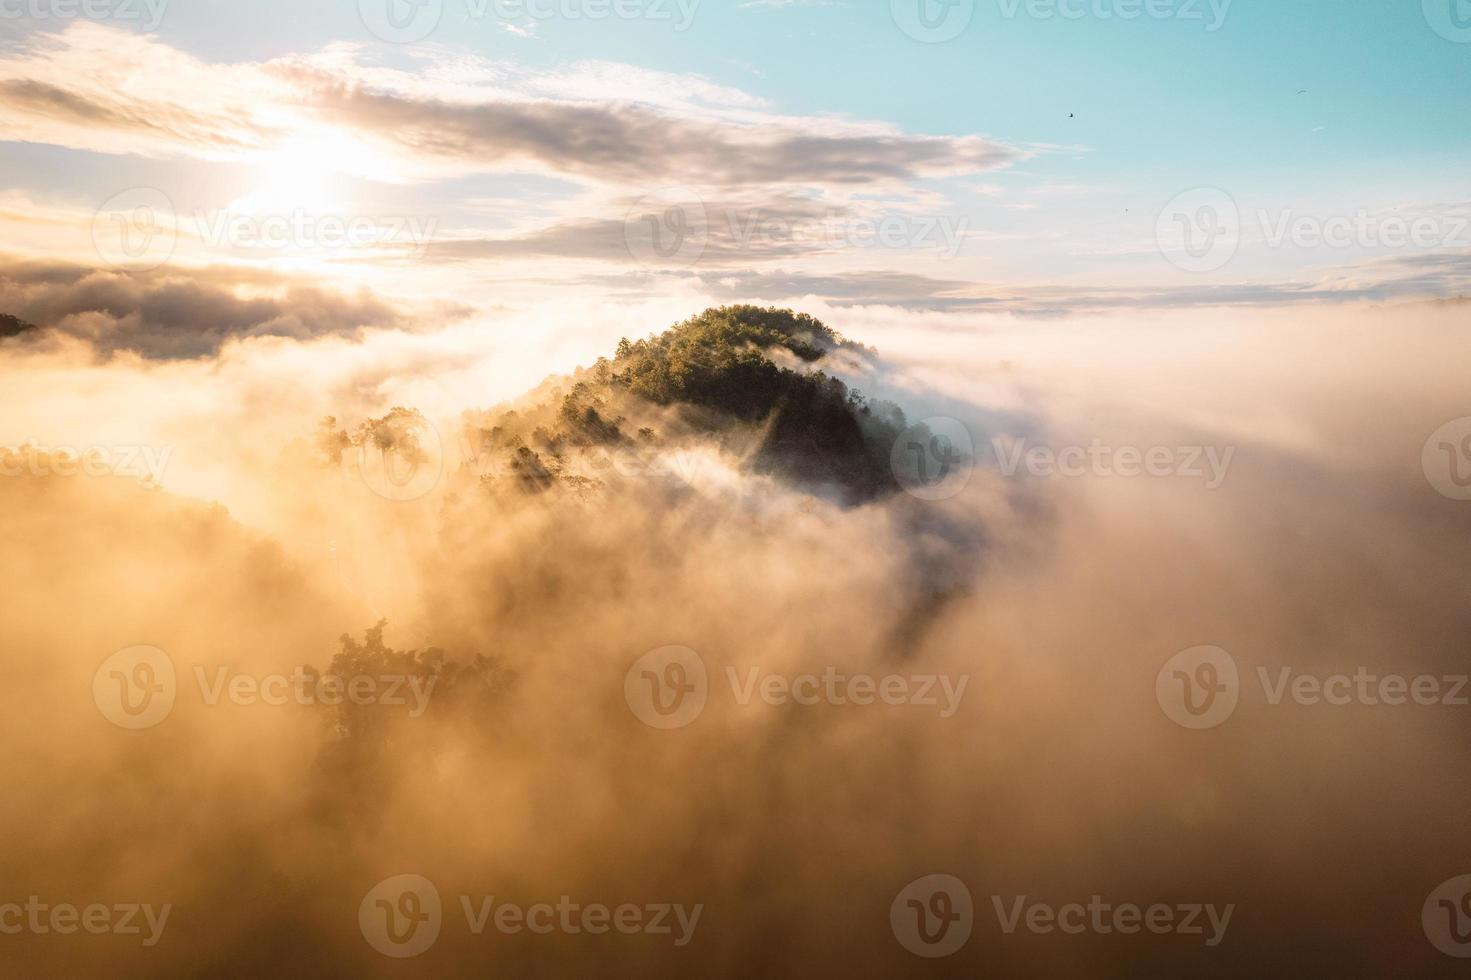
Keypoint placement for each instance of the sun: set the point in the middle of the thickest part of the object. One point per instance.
(300, 176)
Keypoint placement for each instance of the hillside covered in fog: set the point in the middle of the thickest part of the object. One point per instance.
(758, 386)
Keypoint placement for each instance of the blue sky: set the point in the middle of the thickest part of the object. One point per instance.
(1158, 94)
(1311, 109)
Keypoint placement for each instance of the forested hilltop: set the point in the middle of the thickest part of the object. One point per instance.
(751, 378)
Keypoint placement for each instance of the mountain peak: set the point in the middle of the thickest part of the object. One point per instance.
(741, 375)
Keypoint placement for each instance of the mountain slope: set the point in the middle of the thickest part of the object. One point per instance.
(749, 377)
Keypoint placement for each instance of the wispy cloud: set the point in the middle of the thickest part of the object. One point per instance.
(599, 123)
(179, 314)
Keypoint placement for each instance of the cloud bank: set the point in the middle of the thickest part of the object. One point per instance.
(794, 826)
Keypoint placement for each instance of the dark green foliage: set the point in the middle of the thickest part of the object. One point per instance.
(746, 378)
(817, 438)
(11, 326)
(819, 433)
(331, 441)
(530, 472)
(580, 416)
(720, 359)
(401, 434)
(582, 487)
(364, 728)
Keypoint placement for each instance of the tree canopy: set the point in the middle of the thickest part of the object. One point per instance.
(750, 378)
(819, 432)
